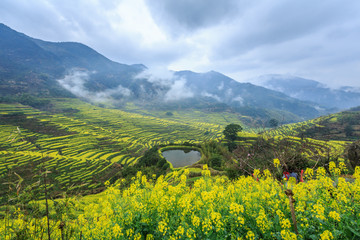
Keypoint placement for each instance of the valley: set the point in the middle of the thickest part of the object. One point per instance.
(84, 143)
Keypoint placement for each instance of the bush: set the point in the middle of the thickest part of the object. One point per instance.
(216, 161)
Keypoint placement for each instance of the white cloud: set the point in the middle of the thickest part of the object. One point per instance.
(238, 99)
(75, 81)
(242, 39)
(178, 91)
(214, 96)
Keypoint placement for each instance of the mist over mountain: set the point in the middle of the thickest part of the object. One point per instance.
(68, 69)
(310, 90)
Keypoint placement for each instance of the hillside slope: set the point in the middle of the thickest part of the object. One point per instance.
(339, 126)
(69, 69)
(81, 144)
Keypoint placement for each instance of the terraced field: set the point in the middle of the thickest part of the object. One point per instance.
(188, 116)
(81, 144)
(339, 126)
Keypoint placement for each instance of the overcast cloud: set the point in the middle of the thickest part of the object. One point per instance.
(240, 38)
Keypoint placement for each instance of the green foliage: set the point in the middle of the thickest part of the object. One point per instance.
(27, 99)
(273, 122)
(150, 158)
(353, 154)
(231, 145)
(216, 161)
(231, 131)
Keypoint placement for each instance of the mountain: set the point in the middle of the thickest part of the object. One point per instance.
(33, 66)
(69, 69)
(310, 90)
(241, 95)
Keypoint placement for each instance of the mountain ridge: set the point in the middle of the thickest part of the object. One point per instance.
(311, 90)
(68, 69)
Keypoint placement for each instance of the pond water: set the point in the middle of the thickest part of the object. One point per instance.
(181, 158)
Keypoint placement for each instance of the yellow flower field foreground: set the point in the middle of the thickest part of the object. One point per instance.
(212, 208)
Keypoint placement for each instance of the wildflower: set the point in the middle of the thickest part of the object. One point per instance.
(143, 180)
(267, 173)
(205, 167)
(276, 162)
(256, 173)
(285, 223)
(162, 227)
(117, 230)
(319, 210)
(236, 208)
(321, 172)
(149, 237)
(205, 172)
(190, 233)
(334, 215)
(342, 166)
(137, 236)
(129, 232)
(357, 172)
(262, 221)
(332, 167)
(309, 173)
(326, 235)
(180, 231)
(195, 221)
(250, 235)
(287, 235)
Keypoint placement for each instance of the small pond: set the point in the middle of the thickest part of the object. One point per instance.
(181, 158)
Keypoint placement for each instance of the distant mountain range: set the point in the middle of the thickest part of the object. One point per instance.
(69, 69)
(310, 90)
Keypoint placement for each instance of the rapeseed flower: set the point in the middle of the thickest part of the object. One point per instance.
(334, 215)
(276, 162)
(326, 235)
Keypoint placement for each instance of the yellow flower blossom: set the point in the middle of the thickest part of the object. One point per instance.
(320, 172)
(262, 222)
(287, 235)
(334, 215)
(162, 227)
(256, 173)
(276, 162)
(319, 210)
(326, 235)
(309, 173)
(149, 237)
(250, 235)
(285, 224)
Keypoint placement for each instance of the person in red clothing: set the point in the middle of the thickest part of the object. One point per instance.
(288, 175)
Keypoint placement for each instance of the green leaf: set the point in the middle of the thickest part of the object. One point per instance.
(353, 231)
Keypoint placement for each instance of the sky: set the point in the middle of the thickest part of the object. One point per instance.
(243, 39)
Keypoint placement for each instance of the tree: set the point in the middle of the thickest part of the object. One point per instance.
(215, 161)
(353, 153)
(231, 131)
(273, 123)
(349, 130)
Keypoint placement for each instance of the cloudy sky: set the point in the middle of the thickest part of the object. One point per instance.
(243, 39)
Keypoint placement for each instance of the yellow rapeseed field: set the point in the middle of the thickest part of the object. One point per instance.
(324, 207)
